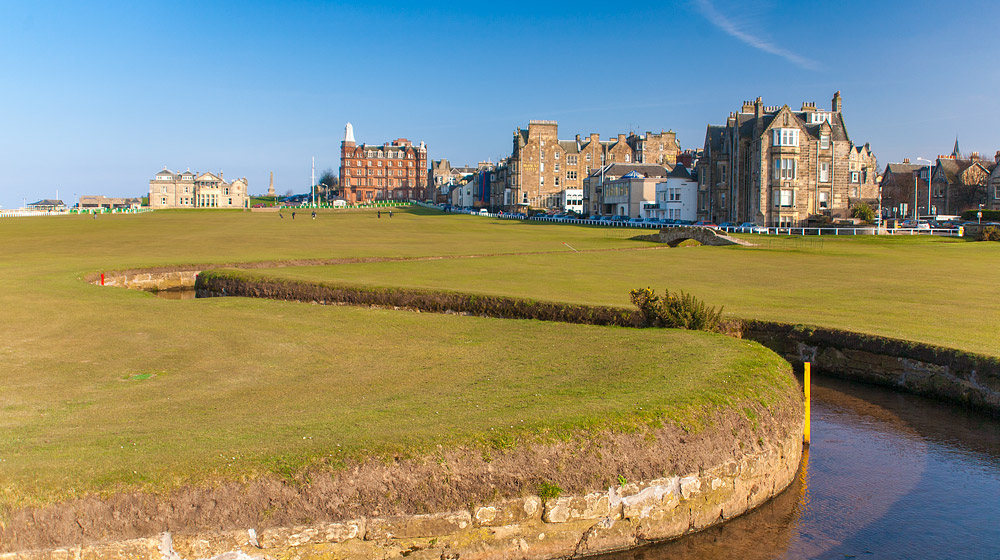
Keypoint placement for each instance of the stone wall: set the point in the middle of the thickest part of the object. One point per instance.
(943, 373)
(622, 517)
(150, 279)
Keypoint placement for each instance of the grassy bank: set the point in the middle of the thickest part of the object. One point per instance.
(103, 389)
(939, 291)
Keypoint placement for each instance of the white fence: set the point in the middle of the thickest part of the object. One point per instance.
(27, 213)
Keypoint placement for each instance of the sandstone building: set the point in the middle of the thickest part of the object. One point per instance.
(626, 196)
(958, 183)
(961, 183)
(541, 166)
(779, 167)
(395, 170)
(196, 190)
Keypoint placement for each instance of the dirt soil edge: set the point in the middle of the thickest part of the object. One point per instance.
(620, 490)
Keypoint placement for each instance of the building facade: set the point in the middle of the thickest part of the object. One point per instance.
(959, 183)
(595, 186)
(777, 167)
(98, 202)
(993, 190)
(904, 187)
(395, 170)
(677, 197)
(197, 190)
(541, 166)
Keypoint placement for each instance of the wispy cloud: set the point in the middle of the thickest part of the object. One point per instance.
(718, 19)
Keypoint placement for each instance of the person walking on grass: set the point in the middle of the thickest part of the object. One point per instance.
(293, 215)
(390, 213)
(314, 214)
(379, 214)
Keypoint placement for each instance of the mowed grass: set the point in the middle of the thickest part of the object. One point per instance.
(104, 389)
(941, 291)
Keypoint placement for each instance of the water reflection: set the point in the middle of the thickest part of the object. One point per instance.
(887, 475)
(176, 294)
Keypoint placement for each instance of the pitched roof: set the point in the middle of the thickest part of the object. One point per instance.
(646, 170)
(570, 146)
(713, 137)
(901, 168)
(680, 172)
(953, 168)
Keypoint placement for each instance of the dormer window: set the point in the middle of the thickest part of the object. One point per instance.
(824, 141)
(820, 116)
(785, 137)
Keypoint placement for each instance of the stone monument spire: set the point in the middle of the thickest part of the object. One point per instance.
(349, 133)
(270, 188)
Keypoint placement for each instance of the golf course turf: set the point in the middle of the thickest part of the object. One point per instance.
(106, 390)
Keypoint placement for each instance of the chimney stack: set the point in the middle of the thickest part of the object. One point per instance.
(837, 103)
(758, 107)
(906, 160)
(974, 156)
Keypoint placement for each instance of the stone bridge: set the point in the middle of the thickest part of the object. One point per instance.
(673, 236)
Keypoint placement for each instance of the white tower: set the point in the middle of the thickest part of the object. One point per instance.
(349, 133)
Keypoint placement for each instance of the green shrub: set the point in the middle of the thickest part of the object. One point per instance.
(989, 233)
(548, 490)
(675, 310)
(863, 211)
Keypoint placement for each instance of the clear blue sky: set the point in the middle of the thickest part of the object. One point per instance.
(97, 97)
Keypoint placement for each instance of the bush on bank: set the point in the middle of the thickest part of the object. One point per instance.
(675, 310)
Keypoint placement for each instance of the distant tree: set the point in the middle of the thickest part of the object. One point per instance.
(332, 183)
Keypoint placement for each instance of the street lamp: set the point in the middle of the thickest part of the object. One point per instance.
(327, 191)
(929, 163)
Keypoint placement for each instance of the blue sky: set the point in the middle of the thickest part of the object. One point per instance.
(97, 97)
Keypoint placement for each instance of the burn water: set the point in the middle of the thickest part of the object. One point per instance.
(888, 475)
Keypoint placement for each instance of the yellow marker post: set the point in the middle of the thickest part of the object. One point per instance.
(805, 432)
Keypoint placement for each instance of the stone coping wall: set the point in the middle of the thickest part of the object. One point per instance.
(961, 377)
(622, 516)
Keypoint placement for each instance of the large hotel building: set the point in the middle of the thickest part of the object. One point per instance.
(392, 171)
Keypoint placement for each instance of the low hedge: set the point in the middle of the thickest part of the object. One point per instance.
(233, 283)
(988, 215)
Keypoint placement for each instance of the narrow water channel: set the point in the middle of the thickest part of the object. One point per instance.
(888, 475)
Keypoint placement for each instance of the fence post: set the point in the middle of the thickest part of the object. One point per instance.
(806, 382)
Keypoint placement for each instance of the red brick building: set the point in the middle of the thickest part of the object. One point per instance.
(395, 170)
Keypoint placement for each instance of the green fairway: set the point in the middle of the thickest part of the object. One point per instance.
(104, 389)
(941, 291)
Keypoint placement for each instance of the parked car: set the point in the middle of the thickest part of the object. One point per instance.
(705, 223)
(750, 227)
(636, 220)
(725, 225)
(619, 218)
(259, 205)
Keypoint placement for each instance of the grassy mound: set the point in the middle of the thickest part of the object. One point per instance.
(104, 390)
